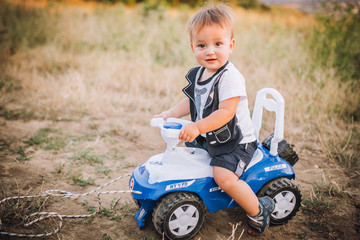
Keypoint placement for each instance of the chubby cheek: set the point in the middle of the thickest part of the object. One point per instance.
(198, 55)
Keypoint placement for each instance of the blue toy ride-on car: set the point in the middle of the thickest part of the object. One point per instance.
(177, 186)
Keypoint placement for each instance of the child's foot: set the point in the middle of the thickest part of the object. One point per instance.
(258, 224)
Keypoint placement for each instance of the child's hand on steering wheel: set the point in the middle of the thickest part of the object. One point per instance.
(164, 115)
(189, 132)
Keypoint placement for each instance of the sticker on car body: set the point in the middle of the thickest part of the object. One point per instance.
(276, 167)
(179, 185)
(216, 189)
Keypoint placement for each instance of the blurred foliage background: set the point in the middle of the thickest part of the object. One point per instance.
(334, 40)
(192, 3)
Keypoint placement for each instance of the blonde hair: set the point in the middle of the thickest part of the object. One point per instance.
(220, 14)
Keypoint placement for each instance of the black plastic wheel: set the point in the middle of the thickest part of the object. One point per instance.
(285, 151)
(179, 215)
(287, 198)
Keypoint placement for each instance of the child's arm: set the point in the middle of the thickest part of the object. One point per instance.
(215, 120)
(179, 110)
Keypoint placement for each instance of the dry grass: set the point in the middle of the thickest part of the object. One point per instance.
(102, 64)
(117, 61)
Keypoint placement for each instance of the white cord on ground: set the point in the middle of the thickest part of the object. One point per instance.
(60, 193)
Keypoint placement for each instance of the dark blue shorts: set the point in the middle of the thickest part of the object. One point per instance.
(236, 161)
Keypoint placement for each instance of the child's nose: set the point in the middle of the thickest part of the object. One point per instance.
(210, 50)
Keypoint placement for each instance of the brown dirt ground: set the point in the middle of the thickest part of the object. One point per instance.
(137, 144)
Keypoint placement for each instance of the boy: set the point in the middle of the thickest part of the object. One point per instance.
(217, 102)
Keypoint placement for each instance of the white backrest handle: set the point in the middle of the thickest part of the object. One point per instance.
(276, 105)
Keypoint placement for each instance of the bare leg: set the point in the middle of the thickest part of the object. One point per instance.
(237, 189)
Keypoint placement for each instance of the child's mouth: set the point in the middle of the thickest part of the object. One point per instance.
(211, 60)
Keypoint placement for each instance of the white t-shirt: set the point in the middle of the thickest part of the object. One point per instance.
(232, 84)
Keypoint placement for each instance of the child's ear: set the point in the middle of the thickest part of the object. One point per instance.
(232, 45)
(192, 47)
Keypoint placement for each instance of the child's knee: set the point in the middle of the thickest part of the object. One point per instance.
(224, 182)
(224, 177)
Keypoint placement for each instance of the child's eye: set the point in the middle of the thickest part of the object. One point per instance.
(218, 44)
(201, 45)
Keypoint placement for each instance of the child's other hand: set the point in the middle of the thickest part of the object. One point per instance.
(164, 115)
(189, 132)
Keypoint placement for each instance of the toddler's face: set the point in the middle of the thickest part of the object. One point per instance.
(212, 46)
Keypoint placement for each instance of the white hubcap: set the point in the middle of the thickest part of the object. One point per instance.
(284, 204)
(183, 220)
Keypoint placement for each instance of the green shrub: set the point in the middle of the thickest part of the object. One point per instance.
(335, 43)
(252, 4)
(248, 4)
(191, 3)
(23, 27)
(336, 39)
